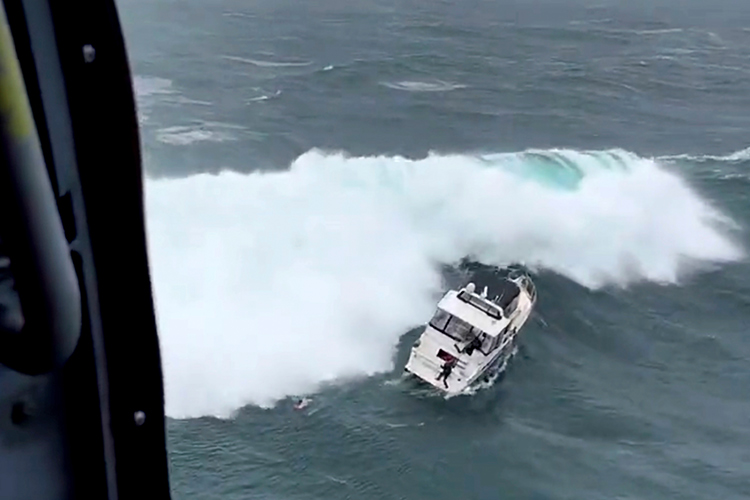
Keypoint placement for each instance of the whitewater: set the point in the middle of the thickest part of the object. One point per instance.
(270, 284)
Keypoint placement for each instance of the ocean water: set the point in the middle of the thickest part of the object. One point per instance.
(320, 172)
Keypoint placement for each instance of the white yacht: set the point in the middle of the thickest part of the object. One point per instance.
(471, 336)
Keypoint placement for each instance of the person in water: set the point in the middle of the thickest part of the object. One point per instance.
(446, 370)
(302, 404)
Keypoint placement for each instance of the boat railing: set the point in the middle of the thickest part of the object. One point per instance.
(483, 304)
(525, 281)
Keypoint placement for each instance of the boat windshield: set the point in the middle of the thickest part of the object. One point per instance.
(453, 327)
(479, 304)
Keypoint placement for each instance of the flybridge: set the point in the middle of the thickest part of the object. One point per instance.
(481, 304)
(497, 308)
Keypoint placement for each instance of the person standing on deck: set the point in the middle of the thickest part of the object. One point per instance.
(446, 370)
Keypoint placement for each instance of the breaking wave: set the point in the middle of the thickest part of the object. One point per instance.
(270, 284)
(738, 156)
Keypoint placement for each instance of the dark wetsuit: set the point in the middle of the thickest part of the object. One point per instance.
(447, 368)
(476, 343)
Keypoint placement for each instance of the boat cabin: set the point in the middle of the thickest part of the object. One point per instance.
(474, 321)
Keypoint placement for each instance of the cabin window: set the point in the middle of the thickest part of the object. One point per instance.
(492, 344)
(486, 342)
(460, 329)
(439, 320)
(496, 342)
(452, 326)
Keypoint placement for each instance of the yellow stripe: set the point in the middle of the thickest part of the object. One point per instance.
(14, 103)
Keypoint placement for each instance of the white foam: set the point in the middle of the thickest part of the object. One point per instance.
(264, 97)
(150, 91)
(239, 14)
(418, 86)
(269, 284)
(145, 86)
(741, 155)
(738, 156)
(186, 100)
(663, 31)
(183, 135)
(268, 64)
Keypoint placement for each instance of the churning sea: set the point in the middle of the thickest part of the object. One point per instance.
(320, 172)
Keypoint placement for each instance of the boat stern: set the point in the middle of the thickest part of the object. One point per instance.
(425, 362)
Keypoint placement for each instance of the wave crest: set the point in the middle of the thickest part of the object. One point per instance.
(270, 284)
